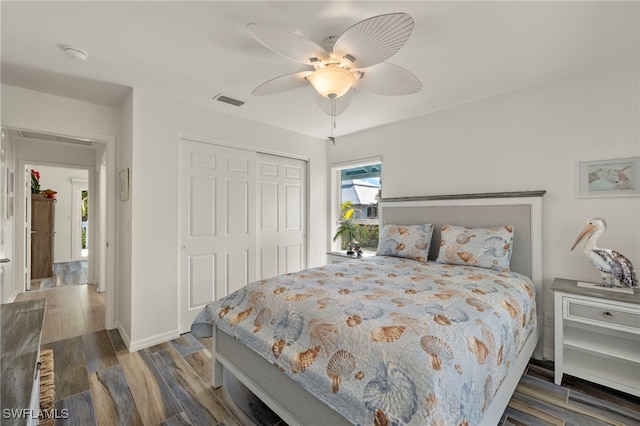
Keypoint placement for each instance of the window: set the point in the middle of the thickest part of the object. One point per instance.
(84, 224)
(359, 188)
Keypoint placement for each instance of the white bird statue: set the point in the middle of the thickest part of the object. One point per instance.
(611, 264)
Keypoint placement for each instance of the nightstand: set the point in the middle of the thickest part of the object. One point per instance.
(342, 256)
(597, 335)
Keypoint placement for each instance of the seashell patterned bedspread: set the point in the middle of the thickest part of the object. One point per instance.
(384, 338)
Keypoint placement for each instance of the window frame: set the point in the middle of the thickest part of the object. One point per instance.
(336, 195)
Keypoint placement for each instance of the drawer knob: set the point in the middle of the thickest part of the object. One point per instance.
(607, 314)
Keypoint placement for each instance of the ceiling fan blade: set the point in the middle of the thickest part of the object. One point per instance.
(388, 79)
(289, 45)
(373, 40)
(284, 83)
(340, 105)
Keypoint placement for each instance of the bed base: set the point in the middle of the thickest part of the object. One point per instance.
(296, 406)
(290, 401)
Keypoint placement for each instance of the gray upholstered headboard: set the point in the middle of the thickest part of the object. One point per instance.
(522, 210)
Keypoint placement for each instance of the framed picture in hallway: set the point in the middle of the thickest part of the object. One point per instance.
(123, 184)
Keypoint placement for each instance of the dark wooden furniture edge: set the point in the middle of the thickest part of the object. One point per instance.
(21, 328)
(514, 194)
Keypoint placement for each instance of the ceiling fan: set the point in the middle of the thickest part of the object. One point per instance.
(356, 61)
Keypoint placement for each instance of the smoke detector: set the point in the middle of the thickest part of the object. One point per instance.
(75, 53)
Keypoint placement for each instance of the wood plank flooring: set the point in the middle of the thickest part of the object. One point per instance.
(538, 401)
(71, 310)
(101, 383)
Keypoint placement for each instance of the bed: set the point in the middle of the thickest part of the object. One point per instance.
(396, 339)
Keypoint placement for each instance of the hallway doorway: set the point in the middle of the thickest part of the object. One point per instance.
(59, 210)
(91, 241)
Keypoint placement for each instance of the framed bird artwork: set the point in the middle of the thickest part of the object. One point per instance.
(609, 178)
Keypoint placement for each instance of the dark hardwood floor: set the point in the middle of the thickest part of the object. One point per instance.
(99, 382)
(538, 401)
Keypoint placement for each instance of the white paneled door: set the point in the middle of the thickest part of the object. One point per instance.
(217, 224)
(281, 215)
(4, 189)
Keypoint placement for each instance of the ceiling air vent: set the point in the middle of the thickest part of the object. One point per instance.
(227, 100)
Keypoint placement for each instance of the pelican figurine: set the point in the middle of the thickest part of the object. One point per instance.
(611, 264)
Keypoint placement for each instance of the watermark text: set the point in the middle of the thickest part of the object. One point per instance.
(30, 413)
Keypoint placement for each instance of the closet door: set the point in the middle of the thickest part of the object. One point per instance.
(217, 224)
(282, 203)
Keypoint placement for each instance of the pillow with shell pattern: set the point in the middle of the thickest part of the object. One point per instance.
(488, 248)
(409, 241)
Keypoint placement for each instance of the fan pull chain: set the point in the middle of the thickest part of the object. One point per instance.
(333, 117)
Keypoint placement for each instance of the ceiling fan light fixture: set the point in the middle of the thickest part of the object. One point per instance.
(332, 80)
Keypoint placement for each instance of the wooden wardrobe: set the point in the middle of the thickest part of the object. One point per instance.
(42, 234)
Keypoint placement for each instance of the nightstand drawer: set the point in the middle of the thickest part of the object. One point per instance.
(605, 315)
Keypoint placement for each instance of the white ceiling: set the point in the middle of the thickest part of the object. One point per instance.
(191, 51)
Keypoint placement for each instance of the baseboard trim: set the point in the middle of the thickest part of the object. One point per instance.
(125, 337)
(137, 345)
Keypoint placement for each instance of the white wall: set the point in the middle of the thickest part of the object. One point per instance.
(60, 179)
(157, 126)
(528, 139)
(22, 108)
(123, 293)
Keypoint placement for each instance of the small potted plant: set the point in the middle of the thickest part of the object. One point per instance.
(347, 230)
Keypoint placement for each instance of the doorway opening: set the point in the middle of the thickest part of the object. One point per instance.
(34, 145)
(59, 226)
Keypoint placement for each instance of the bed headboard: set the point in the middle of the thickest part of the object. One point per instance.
(523, 210)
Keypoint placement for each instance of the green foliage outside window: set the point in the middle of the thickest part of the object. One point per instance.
(85, 205)
(85, 217)
(368, 237)
(352, 234)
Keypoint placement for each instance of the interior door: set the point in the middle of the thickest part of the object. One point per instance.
(3, 222)
(217, 224)
(282, 215)
(27, 228)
